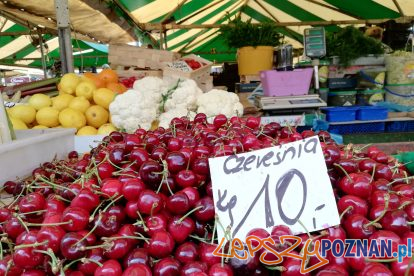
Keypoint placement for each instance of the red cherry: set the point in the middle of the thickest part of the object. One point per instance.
(181, 229)
(137, 269)
(27, 257)
(77, 217)
(193, 268)
(53, 235)
(178, 204)
(186, 178)
(105, 170)
(206, 254)
(89, 267)
(71, 246)
(357, 227)
(136, 256)
(160, 245)
(111, 187)
(32, 202)
(167, 267)
(192, 194)
(206, 211)
(151, 173)
(85, 199)
(253, 122)
(354, 204)
(138, 156)
(150, 202)
(110, 267)
(176, 162)
(186, 252)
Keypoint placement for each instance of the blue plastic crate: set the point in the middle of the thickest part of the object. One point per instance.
(340, 114)
(366, 113)
(400, 126)
(376, 127)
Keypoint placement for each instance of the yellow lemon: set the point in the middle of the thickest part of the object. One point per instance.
(106, 129)
(68, 83)
(39, 101)
(17, 123)
(96, 116)
(26, 113)
(39, 127)
(79, 103)
(61, 101)
(85, 88)
(87, 130)
(103, 97)
(71, 118)
(48, 116)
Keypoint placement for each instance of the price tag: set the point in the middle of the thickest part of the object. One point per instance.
(181, 65)
(283, 185)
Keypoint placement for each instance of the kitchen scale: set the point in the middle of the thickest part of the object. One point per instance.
(303, 102)
(315, 48)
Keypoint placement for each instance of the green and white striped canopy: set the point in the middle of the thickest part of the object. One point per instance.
(191, 26)
(294, 12)
(24, 50)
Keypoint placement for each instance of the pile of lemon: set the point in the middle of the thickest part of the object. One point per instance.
(80, 104)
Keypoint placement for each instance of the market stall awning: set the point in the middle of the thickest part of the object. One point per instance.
(191, 25)
(19, 46)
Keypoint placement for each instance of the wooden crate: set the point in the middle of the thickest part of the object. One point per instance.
(143, 58)
(130, 71)
(187, 73)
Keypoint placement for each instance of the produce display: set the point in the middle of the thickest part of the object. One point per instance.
(82, 103)
(159, 100)
(141, 204)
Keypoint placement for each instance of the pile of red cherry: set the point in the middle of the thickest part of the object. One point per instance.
(141, 204)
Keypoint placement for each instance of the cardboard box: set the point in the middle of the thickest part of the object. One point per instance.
(143, 58)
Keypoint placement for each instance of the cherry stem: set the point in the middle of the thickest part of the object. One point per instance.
(349, 208)
(199, 238)
(189, 213)
(374, 222)
(373, 173)
(55, 262)
(22, 223)
(343, 170)
(154, 205)
(399, 179)
(277, 268)
(405, 204)
(410, 222)
(142, 220)
(141, 238)
(105, 246)
(56, 186)
(1, 251)
(32, 212)
(214, 231)
(91, 231)
(18, 196)
(50, 224)
(26, 245)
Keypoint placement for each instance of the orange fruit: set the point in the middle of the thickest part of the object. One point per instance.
(116, 87)
(99, 83)
(108, 75)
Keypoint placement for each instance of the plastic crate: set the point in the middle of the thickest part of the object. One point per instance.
(286, 83)
(366, 113)
(358, 128)
(340, 114)
(400, 126)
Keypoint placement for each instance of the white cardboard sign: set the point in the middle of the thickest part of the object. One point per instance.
(274, 186)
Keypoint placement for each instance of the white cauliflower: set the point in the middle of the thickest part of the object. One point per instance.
(132, 110)
(152, 87)
(166, 117)
(217, 102)
(183, 94)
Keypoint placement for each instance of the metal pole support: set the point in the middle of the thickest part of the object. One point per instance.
(65, 42)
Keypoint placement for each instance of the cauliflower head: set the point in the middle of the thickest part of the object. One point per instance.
(132, 110)
(217, 102)
(184, 96)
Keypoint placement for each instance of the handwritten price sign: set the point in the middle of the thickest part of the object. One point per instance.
(287, 185)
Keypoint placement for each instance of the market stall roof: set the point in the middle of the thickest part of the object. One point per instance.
(192, 25)
(19, 46)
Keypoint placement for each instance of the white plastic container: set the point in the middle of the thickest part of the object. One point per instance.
(32, 148)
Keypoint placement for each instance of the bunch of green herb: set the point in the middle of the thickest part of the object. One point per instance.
(240, 33)
(350, 44)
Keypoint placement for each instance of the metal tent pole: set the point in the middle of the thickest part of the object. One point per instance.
(65, 43)
(42, 52)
